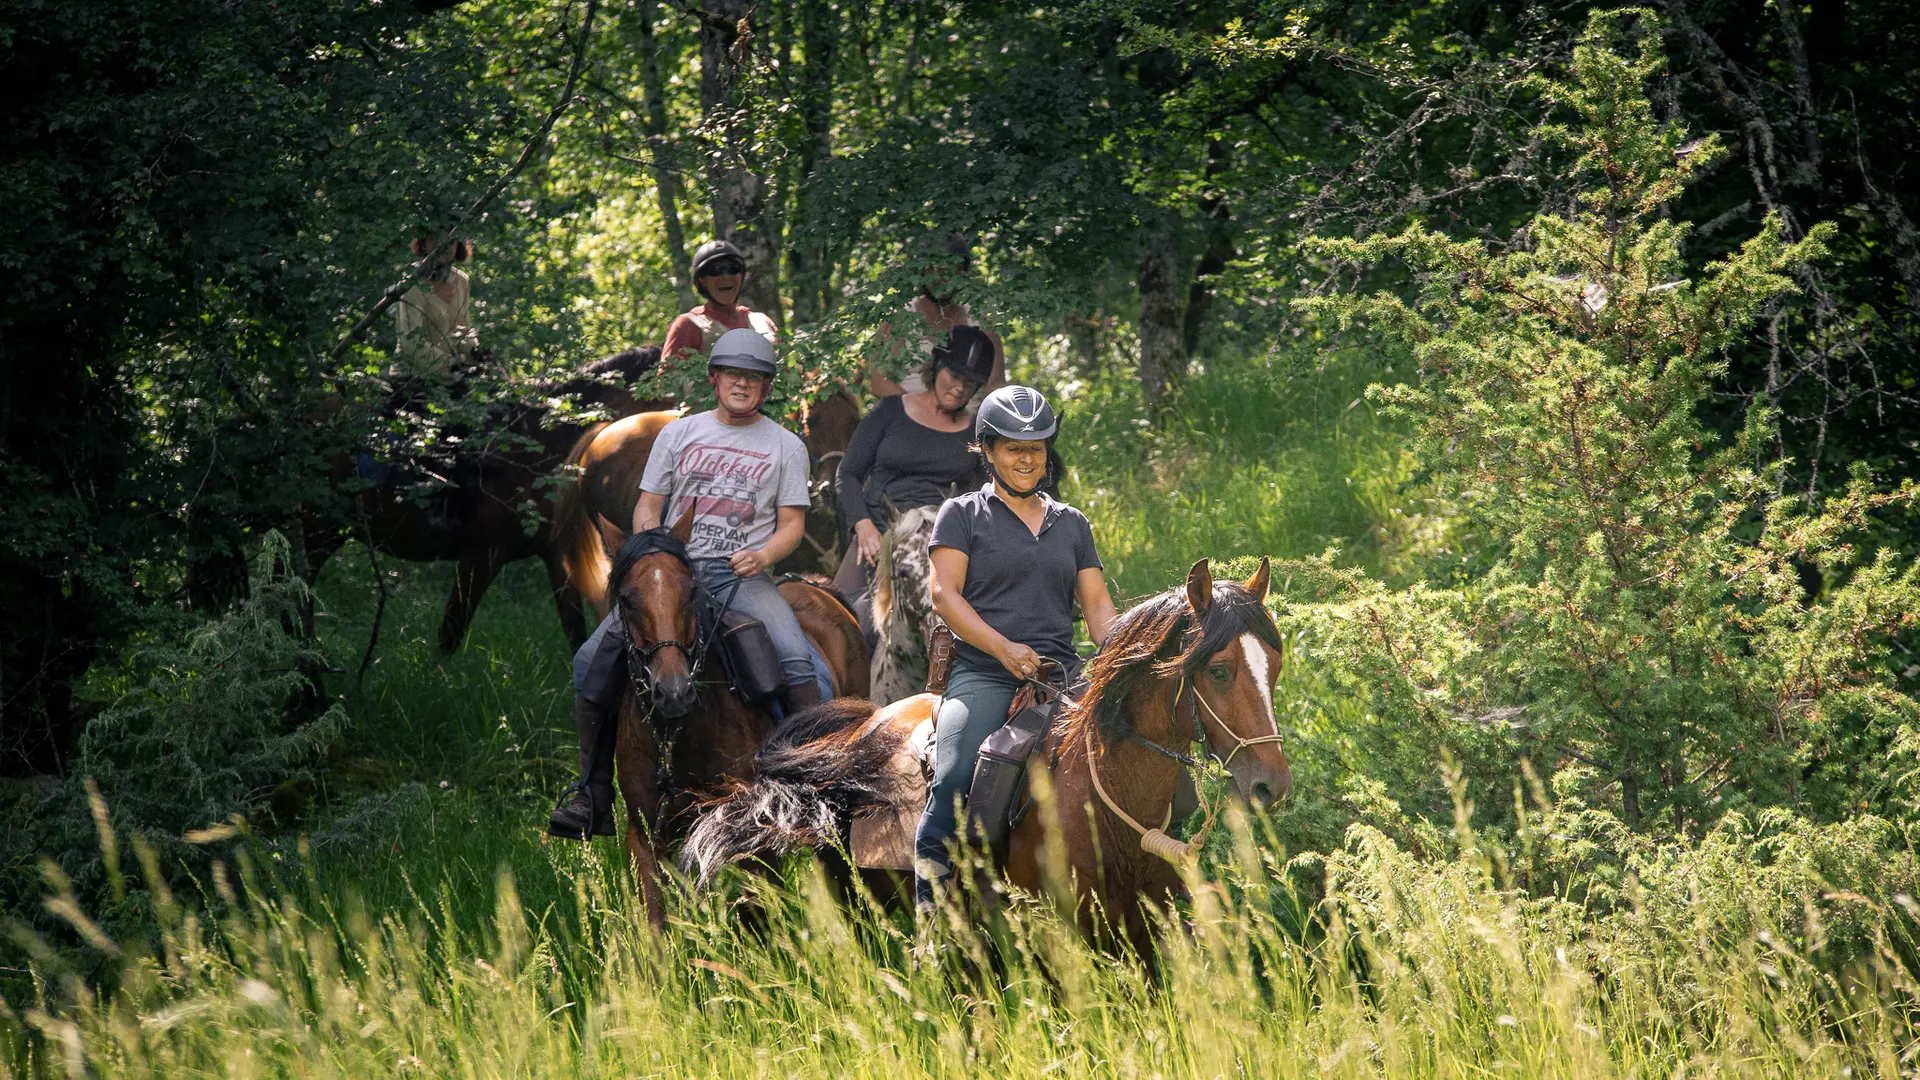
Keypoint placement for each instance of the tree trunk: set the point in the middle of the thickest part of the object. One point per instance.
(820, 39)
(1217, 222)
(740, 211)
(666, 180)
(1163, 357)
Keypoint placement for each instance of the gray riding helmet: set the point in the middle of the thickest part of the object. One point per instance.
(1015, 412)
(745, 350)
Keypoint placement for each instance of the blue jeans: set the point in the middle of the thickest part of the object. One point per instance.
(974, 706)
(599, 664)
(760, 598)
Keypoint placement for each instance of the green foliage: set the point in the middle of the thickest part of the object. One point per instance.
(1274, 455)
(1409, 965)
(1646, 625)
(201, 733)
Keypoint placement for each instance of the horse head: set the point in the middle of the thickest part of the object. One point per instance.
(652, 587)
(1229, 671)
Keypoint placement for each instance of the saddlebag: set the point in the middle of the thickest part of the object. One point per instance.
(1000, 776)
(746, 651)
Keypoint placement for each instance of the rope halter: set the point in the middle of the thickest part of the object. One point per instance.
(1156, 841)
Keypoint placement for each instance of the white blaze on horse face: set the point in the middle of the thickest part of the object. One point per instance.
(1256, 654)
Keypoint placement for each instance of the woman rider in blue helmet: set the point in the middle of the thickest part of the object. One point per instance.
(1009, 563)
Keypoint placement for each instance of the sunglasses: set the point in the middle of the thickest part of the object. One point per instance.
(722, 267)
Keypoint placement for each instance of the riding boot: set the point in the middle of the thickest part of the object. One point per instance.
(589, 801)
(800, 695)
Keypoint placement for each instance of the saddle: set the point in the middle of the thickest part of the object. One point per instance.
(998, 799)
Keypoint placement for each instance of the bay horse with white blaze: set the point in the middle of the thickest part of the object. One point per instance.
(1193, 664)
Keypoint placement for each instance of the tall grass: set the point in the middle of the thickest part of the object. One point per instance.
(1414, 969)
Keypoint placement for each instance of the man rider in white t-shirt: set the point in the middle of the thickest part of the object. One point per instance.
(744, 477)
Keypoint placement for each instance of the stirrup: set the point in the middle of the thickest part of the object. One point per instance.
(561, 829)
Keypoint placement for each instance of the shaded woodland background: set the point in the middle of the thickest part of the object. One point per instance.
(1178, 213)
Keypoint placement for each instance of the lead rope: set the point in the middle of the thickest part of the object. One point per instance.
(1156, 841)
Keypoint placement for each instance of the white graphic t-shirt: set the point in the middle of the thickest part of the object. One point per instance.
(733, 477)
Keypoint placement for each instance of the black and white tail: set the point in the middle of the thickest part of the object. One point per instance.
(816, 772)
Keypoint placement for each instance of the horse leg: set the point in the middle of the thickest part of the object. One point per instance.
(566, 599)
(471, 577)
(636, 761)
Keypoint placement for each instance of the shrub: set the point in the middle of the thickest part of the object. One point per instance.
(1660, 624)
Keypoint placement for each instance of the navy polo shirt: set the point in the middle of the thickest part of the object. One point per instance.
(1022, 584)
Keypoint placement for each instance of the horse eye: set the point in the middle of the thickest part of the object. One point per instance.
(1221, 673)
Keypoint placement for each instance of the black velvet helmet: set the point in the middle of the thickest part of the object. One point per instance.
(967, 352)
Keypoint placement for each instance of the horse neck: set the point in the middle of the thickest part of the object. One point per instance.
(733, 728)
(1138, 779)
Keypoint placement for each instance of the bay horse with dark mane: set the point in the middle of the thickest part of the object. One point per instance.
(683, 734)
(1196, 664)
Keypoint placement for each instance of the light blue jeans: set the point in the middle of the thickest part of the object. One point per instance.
(760, 598)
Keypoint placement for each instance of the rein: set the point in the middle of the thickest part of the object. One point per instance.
(1156, 841)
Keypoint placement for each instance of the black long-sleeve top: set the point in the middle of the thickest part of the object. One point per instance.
(895, 459)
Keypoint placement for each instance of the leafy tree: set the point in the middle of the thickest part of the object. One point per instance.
(1644, 623)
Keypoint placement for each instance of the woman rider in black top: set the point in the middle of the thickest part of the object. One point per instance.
(1009, 565)
(910, 451)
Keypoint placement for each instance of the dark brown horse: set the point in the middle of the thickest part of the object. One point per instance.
(517, 457)
(1193, 664)
(683, 734)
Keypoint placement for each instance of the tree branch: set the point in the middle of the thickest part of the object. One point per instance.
(399, 288)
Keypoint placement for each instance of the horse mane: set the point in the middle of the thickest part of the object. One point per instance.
(656, 541)
(1155, 639)
(629, 364)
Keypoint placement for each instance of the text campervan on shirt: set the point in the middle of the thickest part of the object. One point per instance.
(732, 477)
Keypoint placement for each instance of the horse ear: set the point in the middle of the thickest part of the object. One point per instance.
(1200, 587)
(610, 535)
(1261, 579)
(683, 529)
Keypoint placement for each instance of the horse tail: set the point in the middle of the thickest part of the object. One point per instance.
(818, 769)
(574, 534)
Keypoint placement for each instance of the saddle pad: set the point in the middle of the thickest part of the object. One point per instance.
(884, 840)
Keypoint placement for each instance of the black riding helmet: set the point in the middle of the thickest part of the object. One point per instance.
(712, 257)
(967, 352)
(1016, 412)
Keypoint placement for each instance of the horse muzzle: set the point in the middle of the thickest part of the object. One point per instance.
(673, 695)
(1262, 784)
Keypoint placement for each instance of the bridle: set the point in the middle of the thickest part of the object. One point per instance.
(706, 626)
(1156, 841)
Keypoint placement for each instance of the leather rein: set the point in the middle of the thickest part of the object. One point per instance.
(1156, 841)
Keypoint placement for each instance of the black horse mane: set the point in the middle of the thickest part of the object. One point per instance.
(629, 364)
(656, 541)
(1155, 639)
(626, 366)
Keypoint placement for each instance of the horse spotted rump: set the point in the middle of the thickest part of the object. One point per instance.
(903, 616)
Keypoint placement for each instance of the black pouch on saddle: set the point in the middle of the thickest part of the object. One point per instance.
(1000, 775)
(746, 649)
